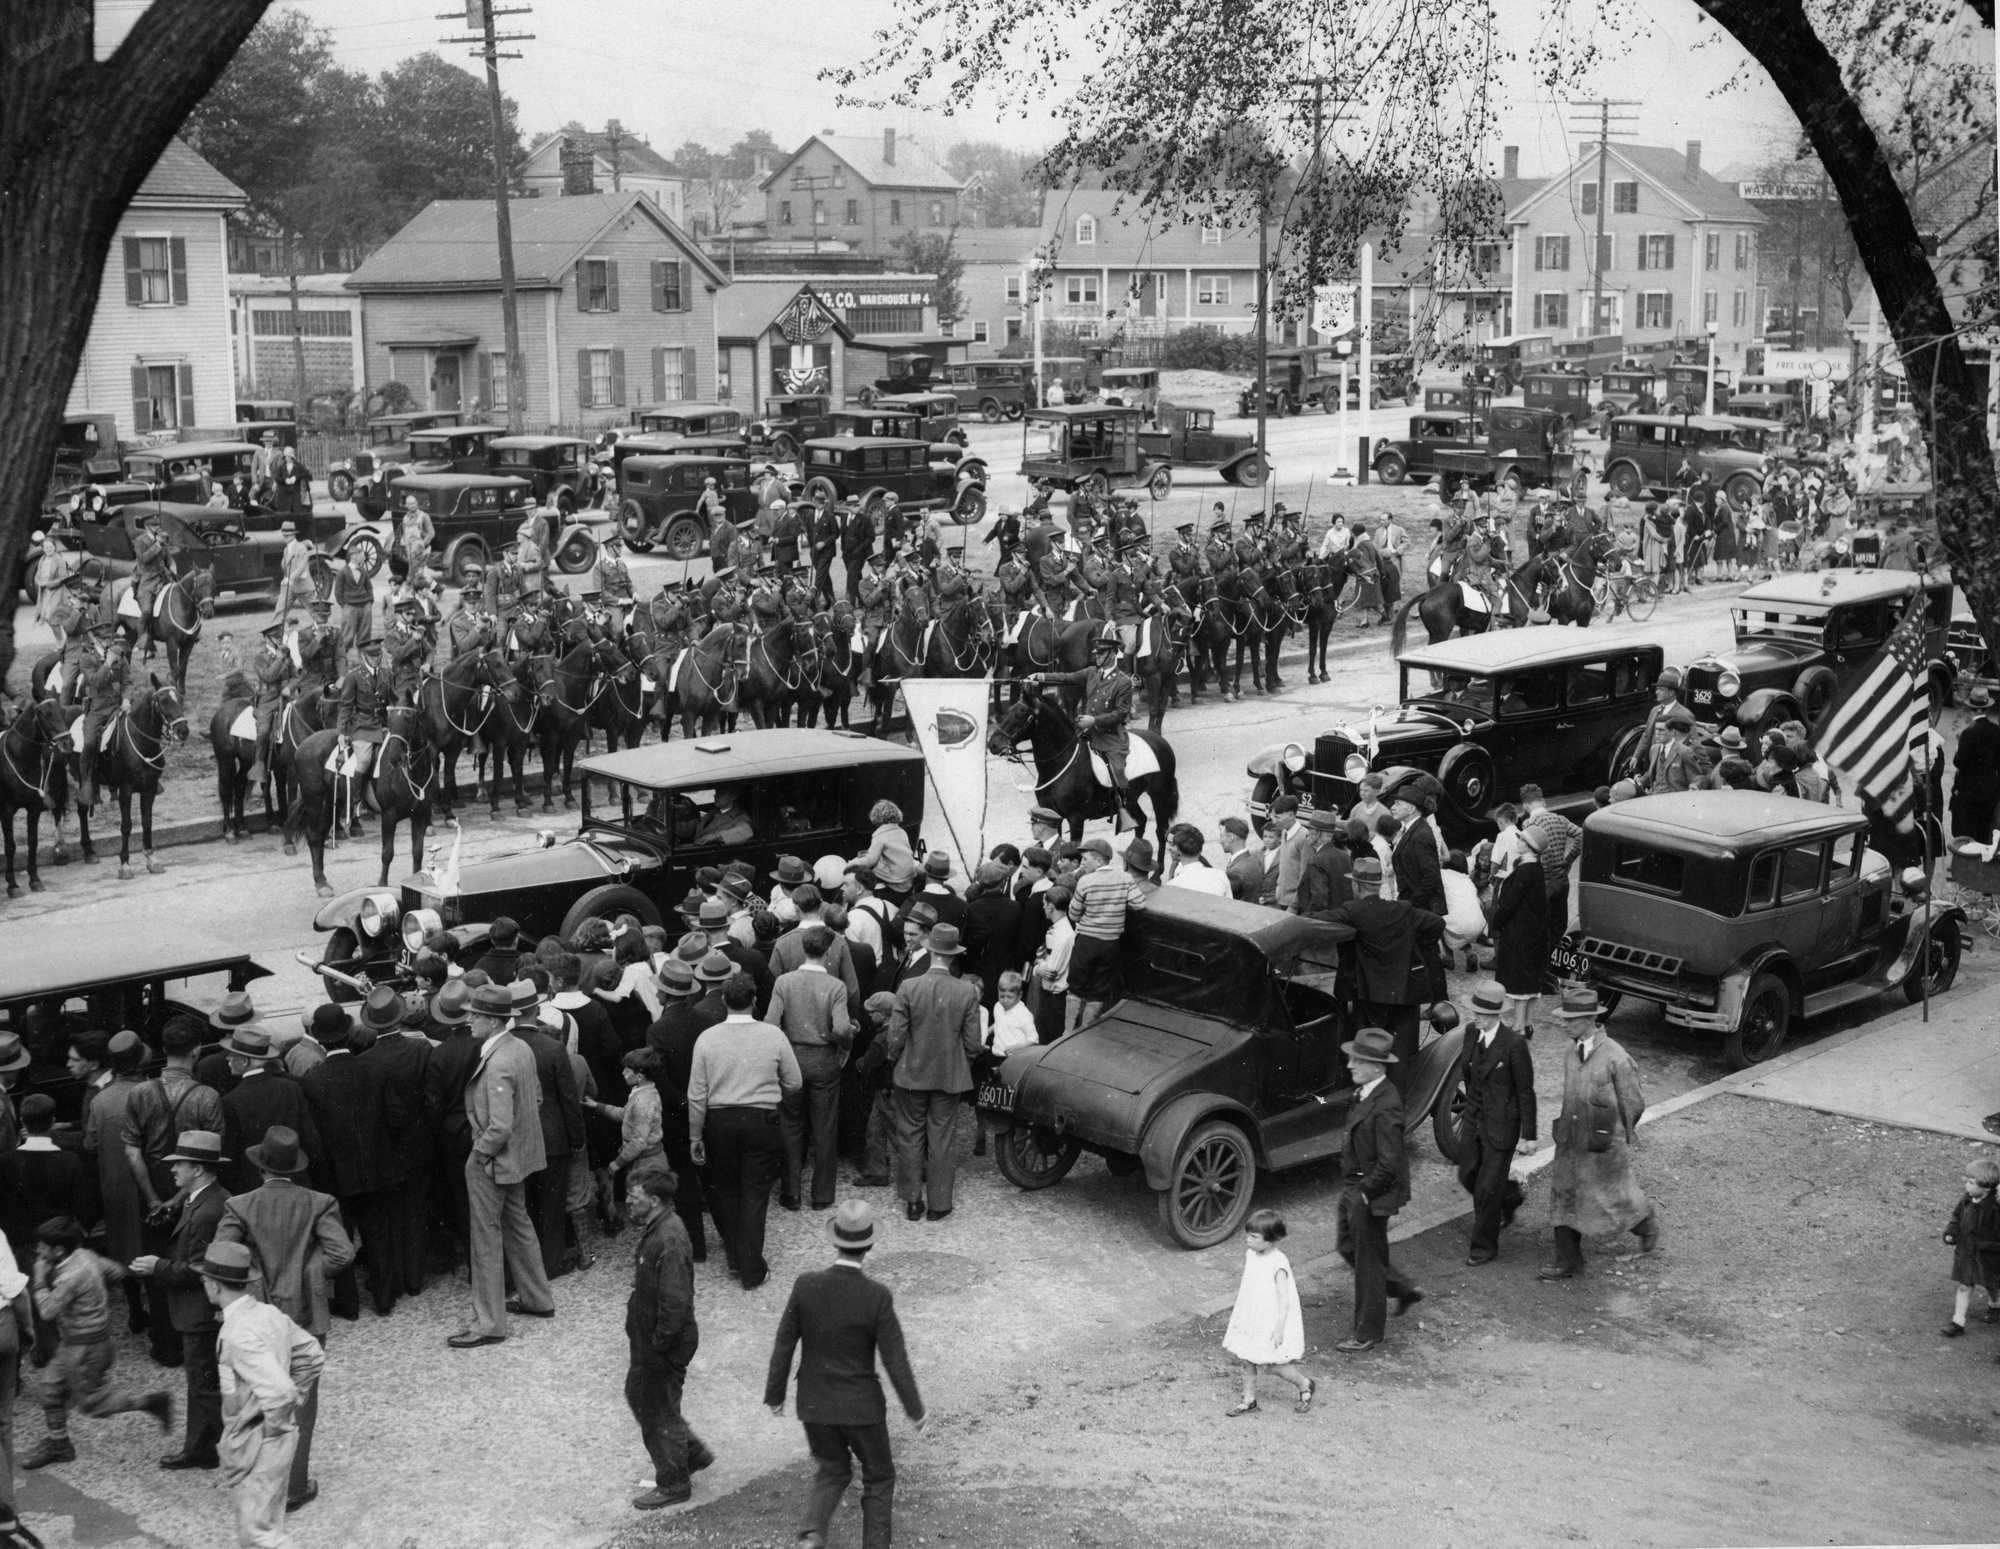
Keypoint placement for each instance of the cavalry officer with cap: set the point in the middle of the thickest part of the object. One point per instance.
(878, 599)
(614, 579)
(504, 590)
(466, 629)
(1054, 580)
(1127, 579)
(1288, 543)
(1184, 560)
(1251, 550)
(319, 649)
(103, 698)
(1090, 573)
(152, 569)
(1220, 552)
(364, 713)
(1107, 706)
(1017, 584)
(272, 670)
(668, 614)
(721, 603)
(404, 649)
(767, 602)
(71, 623)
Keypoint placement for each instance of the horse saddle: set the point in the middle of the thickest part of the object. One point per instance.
(244, 727)
(1139, 762)
(103, 737)
(1149, 628)
(674, 672)
(55, 681)
(1014, 629)
(128, 604)
(1474, 599)
(924, 640)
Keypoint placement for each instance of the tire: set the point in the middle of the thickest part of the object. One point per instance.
(1467, 777)
(1641, 598)
(867, 396)
(1626, 756)
(340, 485)
(1095, 485)
(1624, 478)
(684, 536)
(1250, 473)
(959, 439)
(464, 551)
(1766, 1020)
(974, 468)
(968, 507)
(1030, 1157)
(364, 555)
(606, 903)
(1329, 401)
(633, 526)
(1743, 489)
(990, 411)
(577, 554)
(820, 490)
(784, 448)
(1287, 405)
(1160, 483)
(1392, 468)
(1940, 686)
(1015, 410)
(1814, 689)
(1939, 968)
(1449, 1114)
(341, 946)
(1208, 1193)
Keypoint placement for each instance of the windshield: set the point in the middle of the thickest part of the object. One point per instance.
(1793, 622)
(1461, 691)
(1043, 438)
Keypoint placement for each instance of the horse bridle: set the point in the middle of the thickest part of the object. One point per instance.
(51, 746)
(158, 758)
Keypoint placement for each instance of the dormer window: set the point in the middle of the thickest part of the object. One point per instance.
(1086, 230)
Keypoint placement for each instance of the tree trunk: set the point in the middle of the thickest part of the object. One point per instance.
(76, 140)
(1950, 398)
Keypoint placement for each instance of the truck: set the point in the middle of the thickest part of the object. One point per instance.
(1187, 438)
(1294, 378)
(1524, 449)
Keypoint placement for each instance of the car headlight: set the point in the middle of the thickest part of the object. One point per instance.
(417, 926)
(379, 912)
(1728, 685)
(1355, 767)
(1293, 758)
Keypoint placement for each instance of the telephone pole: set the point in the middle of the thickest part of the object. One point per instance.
(1625, 111)
(478, 18)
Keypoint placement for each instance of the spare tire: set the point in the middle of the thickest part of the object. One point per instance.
(1814, 689)
(1467, 777)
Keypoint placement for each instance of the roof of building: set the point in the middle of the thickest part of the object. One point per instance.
(634, 154)
(181, 176)
(450, 244)
(914, 167)
(996, 244)
(1703, 197)
(1131, 236)
(749, 307)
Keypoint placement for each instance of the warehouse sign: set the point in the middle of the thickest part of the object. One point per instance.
(906, 296)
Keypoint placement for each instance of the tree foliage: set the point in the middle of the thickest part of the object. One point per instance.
(936, 253)
(1002, 185)
(722, 182)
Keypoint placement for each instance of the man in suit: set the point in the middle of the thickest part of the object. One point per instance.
(264, 1098)
(452, 1060)
(1388, 967)
(661, 1336)
(350, 1106)
(404, 1058)
(810, 1005)
(684, 1016)
(1375, 1184)
(932, 1039)
(503, 1100)
(845, 1320)
(1419, 868)
(1326, 877)
(561, 1115)
(1245, 865)
(1677, 765)
(1499, 1118)
(296, 1245)
(197, 1164)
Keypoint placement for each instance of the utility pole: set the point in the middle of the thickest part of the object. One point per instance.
(614, 142)
(478, 17)
(812, 183)
(1263, 326)
(1628, 118)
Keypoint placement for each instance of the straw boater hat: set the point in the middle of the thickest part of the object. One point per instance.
(852, 1227)
(1488, 999)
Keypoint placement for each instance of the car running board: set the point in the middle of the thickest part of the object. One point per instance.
(1833, 997)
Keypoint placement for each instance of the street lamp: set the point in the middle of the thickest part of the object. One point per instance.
(1708, 403)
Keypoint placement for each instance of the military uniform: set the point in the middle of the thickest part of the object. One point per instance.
(1249, 549)
(103, 698)
(1090, 574)
(273, 670)
(1107, 706)
(614, 580)
(464, 632)
(1288, 545)
(71, 622)
(319, 656)
(1184, 560)
(878, 602)
(1017, 586)
(504, 590)
(1220, 553)
(364, 713)
(405, 647)
(668, 613)
(152, 569)
(1053, 581)
(1127, 580)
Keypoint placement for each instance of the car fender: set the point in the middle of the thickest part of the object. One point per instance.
(1165, 1131)
(1015, 1069)
(1267, 759)
(1765, 705)
(1918, 932)
(1430, 1075)
(346, 908)
(1731, 987)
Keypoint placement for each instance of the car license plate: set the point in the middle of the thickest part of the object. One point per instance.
(1703, 696)
(996, 1094)
(1567, 960)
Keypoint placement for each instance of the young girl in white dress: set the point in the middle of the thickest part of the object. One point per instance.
(1266, 1328)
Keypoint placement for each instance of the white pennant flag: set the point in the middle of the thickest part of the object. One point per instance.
(446, 877)
(949, 718)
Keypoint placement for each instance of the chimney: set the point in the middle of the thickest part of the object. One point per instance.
(888, 147)
(1510, 162)
(1694, 160)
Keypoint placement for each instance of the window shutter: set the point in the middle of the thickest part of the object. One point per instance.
(486, 378)
(1642, 252)
(611, 282)
(142, 401)
(687, 372)
(1564, 265)
(1541, 247)
(687, 286)
(1668, 262)
(618, 377)
(659, 372)
(583, 285)
(583, 379)
(177, 256)
(1666, 309)
(186, 375)
(135, 282)
(659, 285)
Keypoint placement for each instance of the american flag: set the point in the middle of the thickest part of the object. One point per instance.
(1876, 732)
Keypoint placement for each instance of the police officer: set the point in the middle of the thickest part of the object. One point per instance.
(103, 698)
(614, 580)
(1107, 706)
(319, 649)
(403, 650)
(152, 569)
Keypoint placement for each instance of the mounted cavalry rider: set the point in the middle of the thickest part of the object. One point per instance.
(70, 620)
(103, 697)
(667, 613)
(1288, 543)
(404, 648)
(767, 602)
(152, 569)
(721, 603)
(614, 580)
(950, 582)
(1054, 581)
(466, 630)
(1184, 559)
(1017, 584)
(1127, 580)
(318, 646)
(1220, 554)
(1107, 706)
(1251, 552)
(878, 598)
(273, 669)
(504, 589)
(365, 697)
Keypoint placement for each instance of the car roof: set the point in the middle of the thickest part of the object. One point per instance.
(927, 396)
(1508, 650)
(745, 755)
(1085, 411)
(1701, 421)
(192, 449)
(1516, 338)
(163, 950)
(461, 430)
(793, 397)
(1721, 824)
(849, 443)
(1825, 588)
(1128, 371)
(690, 408)
(1442, 412)
(534, 443)
(645, 460)
(1282, 937)
(459, 481)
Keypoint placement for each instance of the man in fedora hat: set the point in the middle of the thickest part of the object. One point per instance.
(270, 1370)
(403, 1055)
(741, 1073)
(196, 1160)
(1388, 969)
(503, 1099)
(265, 1096)
(661, 1336)
(349, 1100)
(684, 1016)
(297, 1245)
(1499, 1119)
(716, 921)
(14, 1059)
(1975, 766)
(155, 1116)
(933, 1038)
(1375, 1184)
(1592, 1189)
(846, 1322)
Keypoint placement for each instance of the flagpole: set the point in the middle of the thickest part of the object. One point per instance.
(1923, 965)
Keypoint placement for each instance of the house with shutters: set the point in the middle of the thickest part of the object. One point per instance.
(616, 306)
(1678, 251)
(159, 355)
(1115, 265)
(858, 194)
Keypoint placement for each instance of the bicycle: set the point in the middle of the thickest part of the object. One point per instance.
(1630, 593)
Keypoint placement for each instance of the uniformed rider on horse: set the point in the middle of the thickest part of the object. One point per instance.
(365, 698)
(1107, 706)
(153, 568)
(103, 697)
(614, 580)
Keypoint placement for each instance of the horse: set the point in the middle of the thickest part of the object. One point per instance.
(964, 641)
(301, 716)
(399, 787)
(520, 716)
(897, 656)
(836, 673)
(1445, 611)
(1325, 582)
(455, 704)
(772, 678)
(1064, 780)
(34, 778)
(1571, 575)
(705, 690)
(1044, 644)
(235, 757)
(134, 765)
(621, 711)
(1206, 639)
(180, 607)
(582, 676)
(1157, 672)
(1257, 621)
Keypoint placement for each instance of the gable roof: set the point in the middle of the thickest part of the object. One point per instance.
(914, 167)
(633, 154)
(749, 307)
(1131, 236)
(451, 244)
(996, 244)
(182, 177)
(1703, 197)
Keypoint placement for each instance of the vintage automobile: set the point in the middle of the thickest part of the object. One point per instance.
(1592, 356)
(1187, 438)
(374, 943)
(558, 469)
(271, 411)
(1134, 387)
(688, 419)
(1560, 391)
(451, 449)
(1626, 390)
(788, 422)
(1801, 638)
(886, 419)
(387, 444)
(1484, 714)
(213, 538)
(997, 389)
(50, 991)
(1973, 661)
(1742, 913)
(1500, 363)
(801, 792)
(1686, 386)
(906, 372)
(868, 468)
(1781, 399)
(657, 498)
(1874, 514)
(1658, 453)
(937, 414)
(190, 471)
(86, 453)
(1394, 381)
(1524, 449)
(1224, 1060)
(1474, 401)
(1093, 448)
(1296, 377)
(476, 515)
(1413, 458)
(720, 443)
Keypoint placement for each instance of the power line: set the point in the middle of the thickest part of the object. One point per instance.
(1625, 112)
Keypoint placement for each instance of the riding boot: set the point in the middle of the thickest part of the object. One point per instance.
(86, 773)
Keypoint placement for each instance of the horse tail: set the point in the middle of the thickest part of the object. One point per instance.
(1399, 630)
